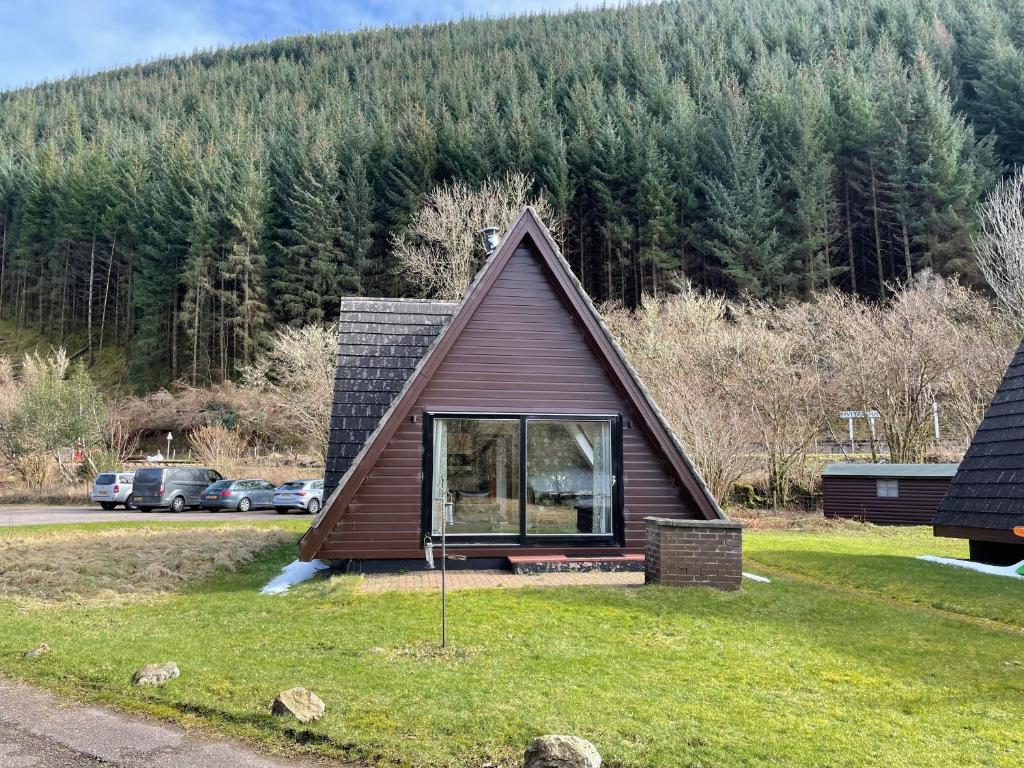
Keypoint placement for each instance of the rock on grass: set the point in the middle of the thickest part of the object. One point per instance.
(561, 752)
(305, 706)
(156, 674)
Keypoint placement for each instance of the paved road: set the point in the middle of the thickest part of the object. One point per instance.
(42, 730)
(19, 749)
(28, 515)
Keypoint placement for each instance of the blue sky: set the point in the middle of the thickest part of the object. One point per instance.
(50, 39)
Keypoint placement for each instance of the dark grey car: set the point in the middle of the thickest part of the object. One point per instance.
(172, 487)
(239, 495)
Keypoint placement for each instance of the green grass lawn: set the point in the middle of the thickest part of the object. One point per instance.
(854, 655)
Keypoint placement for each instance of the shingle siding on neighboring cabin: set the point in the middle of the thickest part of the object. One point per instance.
(380, 342)
(986, 498)
(521, 352)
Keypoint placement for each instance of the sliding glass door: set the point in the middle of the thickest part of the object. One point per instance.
(476, 469)
(568, 477)
(523, 477)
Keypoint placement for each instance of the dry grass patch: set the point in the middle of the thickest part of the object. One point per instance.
(789, 519)
(124, 566)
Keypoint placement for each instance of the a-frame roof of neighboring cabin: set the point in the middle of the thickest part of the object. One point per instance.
(987, 492)
(527, 227)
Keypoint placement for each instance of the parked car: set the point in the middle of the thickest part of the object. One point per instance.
(112, 488)
(172, 487)
(307, 495)
(238, 495)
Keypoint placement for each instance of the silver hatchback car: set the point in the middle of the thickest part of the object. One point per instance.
(238, 495)
(112, 488)
(304, 495)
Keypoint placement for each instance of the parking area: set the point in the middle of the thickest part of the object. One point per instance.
(31, 515)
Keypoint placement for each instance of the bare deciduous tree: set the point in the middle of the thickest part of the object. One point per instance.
(784, 388)
(686, 357)
(441, 250)
(999, 245)
(750, 387)
(296, 376)
(936, 342)
(216, 445)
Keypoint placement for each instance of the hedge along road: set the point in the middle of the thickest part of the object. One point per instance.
(11, 515)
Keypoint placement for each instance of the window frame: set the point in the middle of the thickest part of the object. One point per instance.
(887, 482)
(616, 537)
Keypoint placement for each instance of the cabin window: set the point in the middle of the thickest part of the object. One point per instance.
(887, 489)
(523, 477)
(476, 469)
(568, 477)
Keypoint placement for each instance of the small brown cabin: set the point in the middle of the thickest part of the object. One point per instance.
(512, 413)
(885, 494)
(986, 498)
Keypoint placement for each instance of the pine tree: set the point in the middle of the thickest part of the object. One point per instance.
(356, 229)
(998, 97)
(741, 226)
(245, 204)
(309, 270)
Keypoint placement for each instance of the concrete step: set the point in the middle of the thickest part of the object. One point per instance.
(577, 564)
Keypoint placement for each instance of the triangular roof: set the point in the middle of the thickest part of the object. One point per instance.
(527, 226)
(988, 489)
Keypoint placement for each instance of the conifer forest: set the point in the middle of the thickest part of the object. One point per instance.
(182, 209)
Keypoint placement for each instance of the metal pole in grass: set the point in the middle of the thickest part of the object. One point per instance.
(428, 551)
(444, 574)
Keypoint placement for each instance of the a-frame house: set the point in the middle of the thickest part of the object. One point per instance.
(985, 501)
(513, 416)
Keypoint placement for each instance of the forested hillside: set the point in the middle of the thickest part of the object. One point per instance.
(183, 207)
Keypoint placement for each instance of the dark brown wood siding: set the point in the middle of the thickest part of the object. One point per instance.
(521, 352)
(856, 498)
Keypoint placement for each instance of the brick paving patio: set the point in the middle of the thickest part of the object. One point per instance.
(492, 579)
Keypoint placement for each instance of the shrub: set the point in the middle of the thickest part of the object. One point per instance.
(216, 445)
(45, 412)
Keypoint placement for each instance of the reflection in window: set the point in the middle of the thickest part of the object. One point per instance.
(568, 477)
(476, 465)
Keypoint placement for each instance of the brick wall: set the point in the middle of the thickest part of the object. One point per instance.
(694, 552)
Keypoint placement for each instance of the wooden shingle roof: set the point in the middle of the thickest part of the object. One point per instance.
(988, 489)
(380, 343)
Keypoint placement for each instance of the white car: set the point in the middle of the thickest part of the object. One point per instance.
(305, 495)
(112, 488)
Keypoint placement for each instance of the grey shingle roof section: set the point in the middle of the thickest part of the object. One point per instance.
(380, 341)
(988, 489)
(897, 471)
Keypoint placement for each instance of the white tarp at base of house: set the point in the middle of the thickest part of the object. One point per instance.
(995, 570)
(755, 577)
(293, 573)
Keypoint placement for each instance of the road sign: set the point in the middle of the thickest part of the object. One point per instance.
(859, 414)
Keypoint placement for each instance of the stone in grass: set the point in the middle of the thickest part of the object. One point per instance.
(156, 674)
(39, 650)
(305, 706)
(561, 752)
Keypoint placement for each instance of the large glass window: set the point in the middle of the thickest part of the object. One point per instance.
(476, 468)
(559, 481)
(568, 477)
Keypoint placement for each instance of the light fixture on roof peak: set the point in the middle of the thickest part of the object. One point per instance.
(491, 237)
